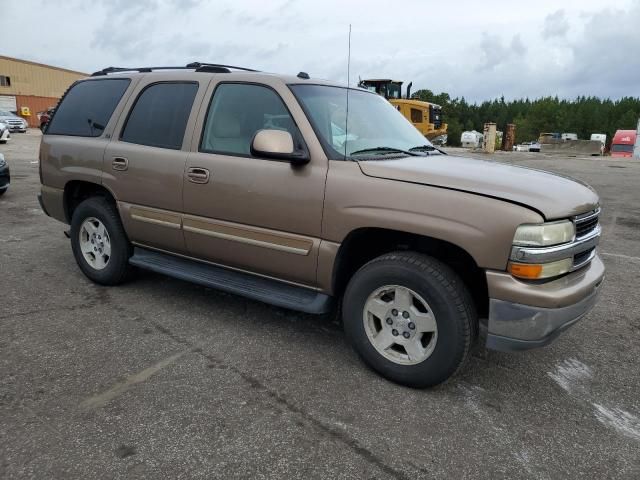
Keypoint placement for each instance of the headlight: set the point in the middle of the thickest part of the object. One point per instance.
(545, 234)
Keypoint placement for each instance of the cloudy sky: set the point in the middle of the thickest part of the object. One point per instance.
(474, 49)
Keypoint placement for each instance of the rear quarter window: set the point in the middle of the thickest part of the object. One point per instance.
(87, 107)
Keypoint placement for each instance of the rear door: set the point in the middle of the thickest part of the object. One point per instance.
(144, 163)
(75, 141)
(243, 211)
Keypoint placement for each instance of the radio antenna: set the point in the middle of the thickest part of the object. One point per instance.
(346, 121)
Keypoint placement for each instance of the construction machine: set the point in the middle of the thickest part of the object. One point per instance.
(425, 116)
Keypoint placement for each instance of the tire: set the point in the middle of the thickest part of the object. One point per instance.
(111, 269)
(440, 304)
(2, 192)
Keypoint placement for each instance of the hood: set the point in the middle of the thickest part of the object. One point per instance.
(554, 196)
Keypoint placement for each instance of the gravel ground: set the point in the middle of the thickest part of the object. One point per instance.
(160, 378)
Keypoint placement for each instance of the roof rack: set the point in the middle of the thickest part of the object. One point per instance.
(197, 66)
(201, 66)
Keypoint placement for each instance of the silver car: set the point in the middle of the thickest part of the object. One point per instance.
(4, 132)
(16, 123)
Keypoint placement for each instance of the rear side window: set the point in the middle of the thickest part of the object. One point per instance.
(87, 107)
(159, 116)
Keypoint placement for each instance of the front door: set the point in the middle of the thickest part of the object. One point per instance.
(250, 213)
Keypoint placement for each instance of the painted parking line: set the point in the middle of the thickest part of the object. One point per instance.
(619, 255)
(100, 400)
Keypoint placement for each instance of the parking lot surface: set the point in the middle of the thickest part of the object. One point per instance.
(159, 378)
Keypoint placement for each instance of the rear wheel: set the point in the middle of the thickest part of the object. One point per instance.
(100, 246)
(410, 318)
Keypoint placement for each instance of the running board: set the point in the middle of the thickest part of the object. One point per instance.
(251, 286)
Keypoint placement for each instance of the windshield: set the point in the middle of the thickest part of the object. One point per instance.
(393, 90)
(373, 122)
(622, 148)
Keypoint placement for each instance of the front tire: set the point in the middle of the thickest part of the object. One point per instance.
(410, 318)
(99, 243)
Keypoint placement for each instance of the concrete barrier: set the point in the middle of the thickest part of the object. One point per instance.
(571, 147)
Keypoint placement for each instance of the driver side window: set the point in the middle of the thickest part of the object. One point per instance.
(236, 112)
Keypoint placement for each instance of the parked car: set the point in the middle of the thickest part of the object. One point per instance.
(5, 175)
(5, 134)
(527, 147)
(16, 123)
(45, 117)
(189, 174)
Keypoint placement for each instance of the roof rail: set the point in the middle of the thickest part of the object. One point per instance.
(108, 70)
(197, 66)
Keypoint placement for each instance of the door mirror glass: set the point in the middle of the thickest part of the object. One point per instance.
(277, 144)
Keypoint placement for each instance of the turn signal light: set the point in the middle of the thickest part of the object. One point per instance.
(537, 271)
(523, 270)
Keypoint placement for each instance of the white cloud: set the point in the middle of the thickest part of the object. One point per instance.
(556, 24)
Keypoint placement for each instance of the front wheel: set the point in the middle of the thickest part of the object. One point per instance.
(410, 318)
(99, 243)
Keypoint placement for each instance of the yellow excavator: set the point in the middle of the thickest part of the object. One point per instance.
(425, 116)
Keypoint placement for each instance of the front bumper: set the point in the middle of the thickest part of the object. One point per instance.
(515, 324)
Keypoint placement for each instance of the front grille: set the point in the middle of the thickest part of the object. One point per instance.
(586, 223)
(582, 258)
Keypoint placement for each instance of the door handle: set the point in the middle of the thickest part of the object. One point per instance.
(120, 163)
(198, 175)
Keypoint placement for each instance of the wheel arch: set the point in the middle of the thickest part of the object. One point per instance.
(364, 244)
(76, 191)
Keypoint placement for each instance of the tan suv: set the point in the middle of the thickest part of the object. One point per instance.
(310, 196)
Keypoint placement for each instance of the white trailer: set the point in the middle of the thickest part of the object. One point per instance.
(471, 139)
(602, 138)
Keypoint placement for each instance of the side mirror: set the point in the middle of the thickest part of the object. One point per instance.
(277, 144)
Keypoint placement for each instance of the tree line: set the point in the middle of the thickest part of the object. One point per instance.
(584, 115)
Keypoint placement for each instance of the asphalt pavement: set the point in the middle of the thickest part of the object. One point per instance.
(159, 378)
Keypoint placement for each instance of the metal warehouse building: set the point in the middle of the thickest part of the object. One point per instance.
(28, 88)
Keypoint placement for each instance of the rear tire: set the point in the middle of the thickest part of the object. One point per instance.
(99, 243)
(2, 192)
(410, 318)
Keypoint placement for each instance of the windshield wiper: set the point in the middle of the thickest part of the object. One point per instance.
(426, 148)
(384, 150)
